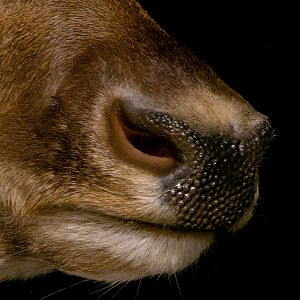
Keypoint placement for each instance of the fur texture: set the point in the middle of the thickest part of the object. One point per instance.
(68, 200)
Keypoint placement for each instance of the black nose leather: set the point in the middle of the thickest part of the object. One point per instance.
(216, 178)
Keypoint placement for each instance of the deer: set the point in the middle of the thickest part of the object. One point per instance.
(122, 153)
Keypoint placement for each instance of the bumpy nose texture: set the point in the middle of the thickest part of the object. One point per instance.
(219, 172)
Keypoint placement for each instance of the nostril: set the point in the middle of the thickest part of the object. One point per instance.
(143, 148)
(147, 142)
(210, 179)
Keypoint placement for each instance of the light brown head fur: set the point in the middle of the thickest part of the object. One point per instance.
(72, 197)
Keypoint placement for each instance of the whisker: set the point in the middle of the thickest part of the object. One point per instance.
(112, 286)
(63, 289)
(118, 291)
(178, 287)
(138, 289)
(106, 287)
(169, 280)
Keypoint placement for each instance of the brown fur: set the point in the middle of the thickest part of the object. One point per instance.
(65, 193)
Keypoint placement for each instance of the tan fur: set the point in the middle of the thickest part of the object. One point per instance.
(65, 193)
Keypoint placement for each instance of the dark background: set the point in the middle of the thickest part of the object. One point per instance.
(250, 45)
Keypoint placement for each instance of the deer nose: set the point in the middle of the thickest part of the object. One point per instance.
(210, 180)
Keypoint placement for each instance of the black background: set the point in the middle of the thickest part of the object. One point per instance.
(250, 45)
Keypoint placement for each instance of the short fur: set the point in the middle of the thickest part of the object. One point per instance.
(68, 201)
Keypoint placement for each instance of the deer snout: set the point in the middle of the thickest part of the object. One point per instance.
(210, 180)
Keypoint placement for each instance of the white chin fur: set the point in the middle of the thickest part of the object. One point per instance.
(112, 250)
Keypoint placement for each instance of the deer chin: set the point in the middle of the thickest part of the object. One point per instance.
(111, 249)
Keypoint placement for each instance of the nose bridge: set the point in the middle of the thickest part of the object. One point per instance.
(215, 182)
(222, 110)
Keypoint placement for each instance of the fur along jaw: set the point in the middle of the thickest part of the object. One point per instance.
(121, 152)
